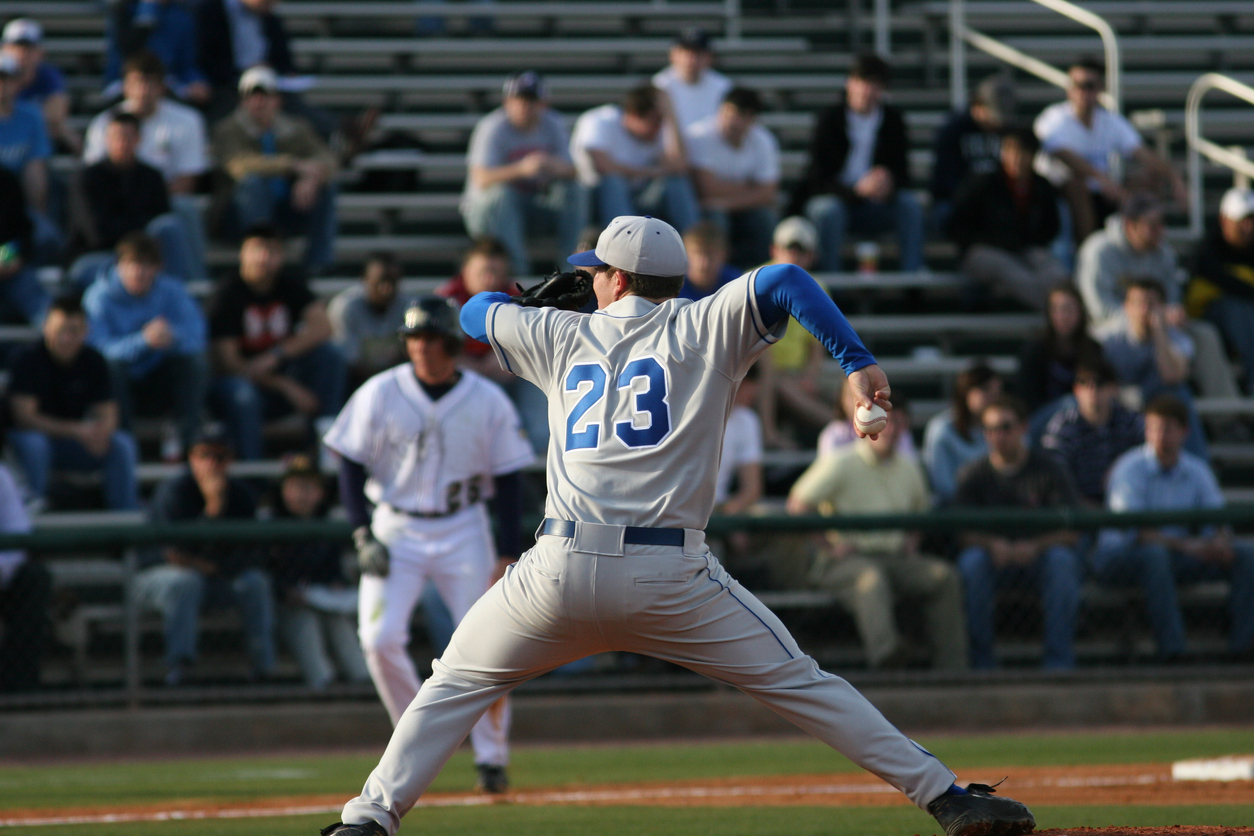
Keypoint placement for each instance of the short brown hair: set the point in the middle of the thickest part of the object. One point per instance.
(486, 247)
(706, 234)
(870, 67)
(1011, 404)
(387, 263)
(1169, 406)
(145, 63)
(653, 287)
(641, 100)
(139, 246)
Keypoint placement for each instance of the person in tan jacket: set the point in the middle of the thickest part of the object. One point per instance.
(279, 170)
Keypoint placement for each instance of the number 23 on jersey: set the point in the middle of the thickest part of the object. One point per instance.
(650, 421)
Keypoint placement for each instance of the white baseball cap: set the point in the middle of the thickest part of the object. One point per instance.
(796, 232)
(259, 77)
(643, 245)
(22, 30)
(1237, 204)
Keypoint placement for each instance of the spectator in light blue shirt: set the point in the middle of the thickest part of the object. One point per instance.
(1162, 476)
(24, 150)
(153, 335)
(40, 83)
(954, 437)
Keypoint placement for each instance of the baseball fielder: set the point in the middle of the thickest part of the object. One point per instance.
(638, 393)
(428, 445)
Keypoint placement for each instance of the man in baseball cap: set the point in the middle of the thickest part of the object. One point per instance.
(1222, 285)
(695, 90)
(39, 83)
(519, 175)
(644, 253)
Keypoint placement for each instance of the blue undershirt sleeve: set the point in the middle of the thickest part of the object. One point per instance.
(353, 492)
(506, 507)
(787, 290)
(474, 316)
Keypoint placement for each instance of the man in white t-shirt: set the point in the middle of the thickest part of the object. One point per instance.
(742, 452)
(1080, 135)
(171, 139)
(519, 175)
(694, 88)
(631, 157)
(735, 165)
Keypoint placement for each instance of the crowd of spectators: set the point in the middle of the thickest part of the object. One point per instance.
(1101, 412)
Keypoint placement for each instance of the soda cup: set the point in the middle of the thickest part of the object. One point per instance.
(868, 255)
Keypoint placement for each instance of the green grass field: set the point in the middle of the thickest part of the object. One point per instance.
(225, 780)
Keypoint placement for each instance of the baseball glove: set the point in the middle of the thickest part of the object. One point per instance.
(372, 556)
(567, 291)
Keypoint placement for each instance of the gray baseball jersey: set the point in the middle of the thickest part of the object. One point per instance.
(638, 398)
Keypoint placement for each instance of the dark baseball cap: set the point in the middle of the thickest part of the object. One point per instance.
(213, 434)
(529, 84)
(300, 464)
(693, 37)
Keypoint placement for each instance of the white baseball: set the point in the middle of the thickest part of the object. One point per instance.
(870, 421)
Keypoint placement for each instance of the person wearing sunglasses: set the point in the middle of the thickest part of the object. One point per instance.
(1013, 475)
(1081, 135)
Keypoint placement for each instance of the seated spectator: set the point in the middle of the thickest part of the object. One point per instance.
(21, 294)
(741, 462)
(1133, 245)
(171, 140)
(1081, 135)
(65, 415)
(280, 171)
(1004, 221)
(120, 195)
(271, 343)
(857, 176)
(152, 333)
(25, 599)
(165, 29)
(520, 179)
(792, 367)
(1013, 475)
(39, 82)
(24, 150)
(1151, 356)
(1162, 476)
(365, 318)
(970, 142)
(1089, 435)
(708, 269)
(317, 606)
(630, 158)
(1047, 363)
(839, 433)
(485, 269)
(954, 437)
(183, 580)
(1222, 287)
(735, 167)
(694, 89)
(867, 570)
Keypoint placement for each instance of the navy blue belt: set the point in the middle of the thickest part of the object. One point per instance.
(632, 535)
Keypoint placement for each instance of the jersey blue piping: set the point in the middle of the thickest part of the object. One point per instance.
(495, 344)
(749, 610)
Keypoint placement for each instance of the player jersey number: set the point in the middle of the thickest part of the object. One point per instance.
(582, 433)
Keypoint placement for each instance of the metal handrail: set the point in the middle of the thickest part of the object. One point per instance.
(960, 35)
(1198, 146)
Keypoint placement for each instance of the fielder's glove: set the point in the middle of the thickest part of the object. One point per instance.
(372, 556)
(567, 291)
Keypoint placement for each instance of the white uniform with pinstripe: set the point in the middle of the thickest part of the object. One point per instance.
(638, 397)
(431, 466)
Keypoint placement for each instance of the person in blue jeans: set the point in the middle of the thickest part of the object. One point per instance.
(180, 581)
(271, 341)
(1013, 475)
(153, 335)
(1161, 475)
(858, 174)
(65, 415)
(21, 294)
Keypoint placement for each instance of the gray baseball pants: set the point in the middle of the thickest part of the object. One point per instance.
(572, 597)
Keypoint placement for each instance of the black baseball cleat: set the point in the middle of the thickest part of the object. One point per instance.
(492, 779)
(370, 828)
(978, 812)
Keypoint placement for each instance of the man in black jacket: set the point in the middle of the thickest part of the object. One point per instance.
(1004, 221)
(856, 178)
(1222, 286)
(21, 294)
